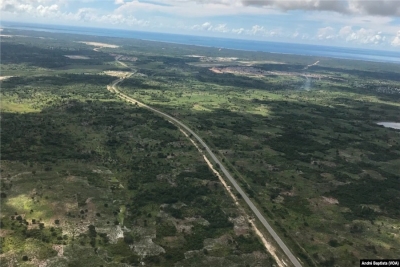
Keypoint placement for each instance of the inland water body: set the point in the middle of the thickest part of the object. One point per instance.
(393, 125)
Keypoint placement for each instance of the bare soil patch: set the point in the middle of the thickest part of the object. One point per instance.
(240, 225)
(240, 70)
(124, 58)
(119, 74)
(330, 200)
(2, 78)
(99, 44)
(76, 57)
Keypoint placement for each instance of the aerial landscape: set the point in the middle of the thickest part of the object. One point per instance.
(121, 151)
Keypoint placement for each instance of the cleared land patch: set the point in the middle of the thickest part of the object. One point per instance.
(99, 44)
(77, 57)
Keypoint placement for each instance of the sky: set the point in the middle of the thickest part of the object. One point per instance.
(371, 24)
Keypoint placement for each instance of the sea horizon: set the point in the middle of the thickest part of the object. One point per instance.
(363, 54)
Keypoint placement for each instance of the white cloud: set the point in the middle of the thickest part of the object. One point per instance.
(345, 31)
(44, 11)
(396, 40)
(238, 31)
(50, 9)
(221, 28)
(326, 33)
(349, 35)
(256, 29)
(206, 26)
(15, 6)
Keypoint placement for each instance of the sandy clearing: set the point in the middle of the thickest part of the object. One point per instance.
(2, 78)
(330, 200)
(200, 107)
(214, 59)
(256, 72)
(254, 62)
(76, 57)
(241, 70)
(124, 58)
(99, 44)
(119, 74)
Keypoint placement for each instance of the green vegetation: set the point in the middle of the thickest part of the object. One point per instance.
(89, 180)
(125, 186)
(313, 158)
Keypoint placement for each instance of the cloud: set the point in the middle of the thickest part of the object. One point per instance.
(355, 22)
(16, 6)
(238, 31)
(350, 35)
(373, 7)
(396, 40)
(207, 26)
(256, 29)
(376, 7)
(345, 31)
(90, 15)
(364, 36)
(320, 5)
(44, 11)
(192, 8)
(50, 9)
(326, 33)
(221, 28)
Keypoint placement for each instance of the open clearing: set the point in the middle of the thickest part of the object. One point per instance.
(2, 78)
(119, 74)
(99, 44)
(77, 57)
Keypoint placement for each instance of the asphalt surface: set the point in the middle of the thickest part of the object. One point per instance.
(257, 213)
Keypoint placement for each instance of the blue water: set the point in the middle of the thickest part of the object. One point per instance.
(238, 44)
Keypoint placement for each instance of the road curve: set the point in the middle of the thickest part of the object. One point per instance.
(257, 213)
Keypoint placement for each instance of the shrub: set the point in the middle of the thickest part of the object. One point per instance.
(334, 243)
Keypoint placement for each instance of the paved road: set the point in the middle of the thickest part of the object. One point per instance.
(258, 214)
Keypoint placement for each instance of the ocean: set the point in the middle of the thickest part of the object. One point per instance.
(237, 44)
